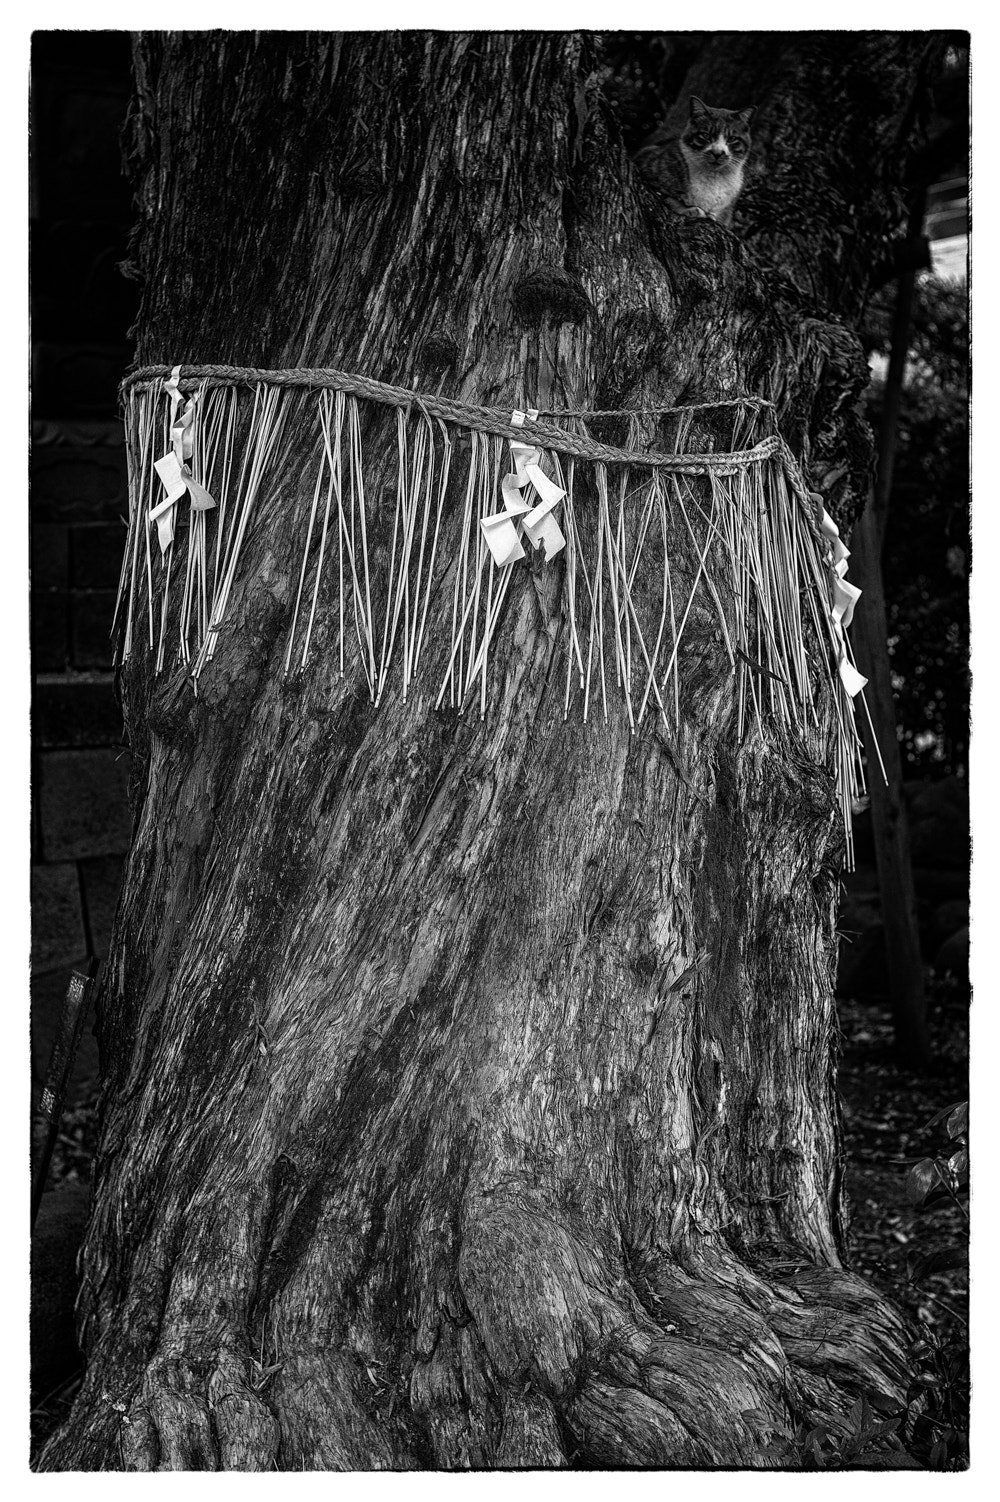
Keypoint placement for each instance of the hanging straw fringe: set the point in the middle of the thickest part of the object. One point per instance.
(760, 565)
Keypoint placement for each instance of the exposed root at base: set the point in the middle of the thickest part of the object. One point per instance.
(549, 1349)
(567, 1362)
(182, 1421)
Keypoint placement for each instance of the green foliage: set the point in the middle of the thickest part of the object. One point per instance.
(870, 1435)
(937, 1406)
(927, 546)
(937, 1403)
(934, 1180)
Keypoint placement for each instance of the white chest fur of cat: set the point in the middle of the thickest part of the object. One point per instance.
(715, 178)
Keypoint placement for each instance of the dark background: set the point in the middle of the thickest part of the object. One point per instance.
(82, 309)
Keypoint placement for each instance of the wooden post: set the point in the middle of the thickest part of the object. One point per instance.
(871, 640)
(899, 348)
(889, 822)
(50, 1107)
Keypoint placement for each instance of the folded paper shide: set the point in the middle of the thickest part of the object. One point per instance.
(844, 597)
(540, 526)
(174, 467)
(637, 542)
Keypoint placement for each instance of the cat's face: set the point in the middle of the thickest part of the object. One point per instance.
(718, 139)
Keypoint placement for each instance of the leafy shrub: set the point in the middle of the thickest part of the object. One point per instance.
(937, 1419)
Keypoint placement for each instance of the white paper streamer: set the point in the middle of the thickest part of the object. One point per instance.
(500, 530)
(845, 597)
(173, 468)
(540, 526)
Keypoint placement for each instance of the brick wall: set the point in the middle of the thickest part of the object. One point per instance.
(81, 824)
(82, 308)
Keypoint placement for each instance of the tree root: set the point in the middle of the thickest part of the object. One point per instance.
(183, 1421)
(537, 1295)
(529, 1437)
(843, 1341)
(567, 1362)
(328, 1421)
(541, 1345)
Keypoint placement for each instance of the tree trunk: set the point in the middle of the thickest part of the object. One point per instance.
(470, 1083)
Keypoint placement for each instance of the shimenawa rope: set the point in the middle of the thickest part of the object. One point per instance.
(756, 535)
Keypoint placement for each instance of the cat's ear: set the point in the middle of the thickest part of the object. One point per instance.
(745, 116)
(697, 107)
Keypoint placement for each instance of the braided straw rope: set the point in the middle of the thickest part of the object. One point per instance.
(487, 419)
(770, 541)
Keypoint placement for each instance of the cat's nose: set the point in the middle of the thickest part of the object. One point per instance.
(719, 156)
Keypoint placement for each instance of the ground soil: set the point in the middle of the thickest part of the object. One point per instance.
(886, 1114)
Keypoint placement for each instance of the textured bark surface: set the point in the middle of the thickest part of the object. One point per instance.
(470, 1092)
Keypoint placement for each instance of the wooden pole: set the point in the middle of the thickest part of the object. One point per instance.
(899, 348)
(50, 1107)
(871, 639)
(889, 821)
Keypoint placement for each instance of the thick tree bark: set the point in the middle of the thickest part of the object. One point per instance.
(470, 1091)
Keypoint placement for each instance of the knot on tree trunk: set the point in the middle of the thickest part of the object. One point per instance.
(439, 351)
(550, 292)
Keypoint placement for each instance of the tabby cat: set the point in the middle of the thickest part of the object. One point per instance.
(701, 170)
